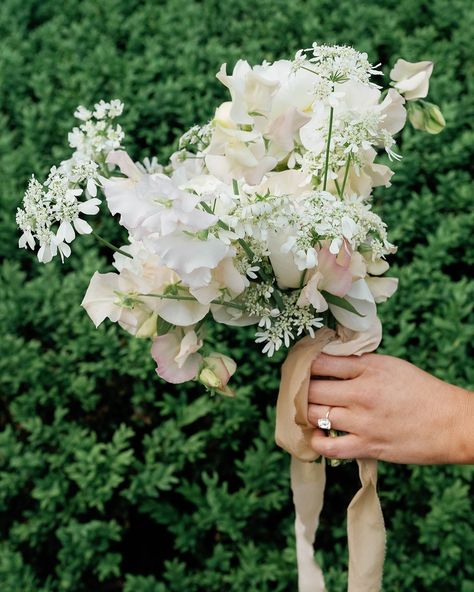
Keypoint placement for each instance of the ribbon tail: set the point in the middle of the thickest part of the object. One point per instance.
(366, 533)
(307, 482)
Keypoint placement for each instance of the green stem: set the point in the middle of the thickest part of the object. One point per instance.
(191, 298)
(110, 245)
(308, 69)
(346, 174)
(328, 148)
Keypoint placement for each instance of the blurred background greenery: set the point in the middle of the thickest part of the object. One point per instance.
(111, 480)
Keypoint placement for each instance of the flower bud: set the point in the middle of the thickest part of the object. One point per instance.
(148, 327)
(412, 79)
(216, 373)
(426, 117)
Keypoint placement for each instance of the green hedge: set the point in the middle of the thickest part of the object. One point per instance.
(111, 480)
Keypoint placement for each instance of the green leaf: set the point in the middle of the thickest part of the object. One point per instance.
(341, 302)
(163, 327)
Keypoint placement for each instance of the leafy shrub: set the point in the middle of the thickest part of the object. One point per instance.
(111, 480)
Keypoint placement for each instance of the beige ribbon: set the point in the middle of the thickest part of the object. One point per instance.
(365, 525)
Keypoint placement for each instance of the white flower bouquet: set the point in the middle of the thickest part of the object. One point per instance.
(262, 217)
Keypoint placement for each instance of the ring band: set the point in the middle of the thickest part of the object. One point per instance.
(324, 422)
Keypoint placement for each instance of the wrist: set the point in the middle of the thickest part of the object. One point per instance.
(466, 447)
(461, 450)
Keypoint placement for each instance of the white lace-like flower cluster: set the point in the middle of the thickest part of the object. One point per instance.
(51, 216)
(337, 63)
(261, 217)
(282, 328)
(196, 139)
(98, 135)
(51, 213)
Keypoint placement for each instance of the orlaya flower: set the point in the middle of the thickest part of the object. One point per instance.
(176, 356)
(50, 246)
(68, 227)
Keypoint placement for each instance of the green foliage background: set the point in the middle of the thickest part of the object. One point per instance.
(112, 481)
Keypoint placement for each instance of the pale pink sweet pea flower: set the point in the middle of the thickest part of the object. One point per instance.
(176, 358)
(333, 274)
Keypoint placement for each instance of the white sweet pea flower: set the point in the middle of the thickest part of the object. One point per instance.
(181, 313)
(235, 153)
(283, 259)
(382, 287)
(412, 79)
(361, 181)
(363, 301)
(151, 204)
(250, 91)
(393, 112)
(190, 257)
(289, 182)
(156, 278)
(426, 117)
(232, 316)
(114, 296)
(226, 277)
(377, 267)
(185, 167)
(176, 356)
(282, 132)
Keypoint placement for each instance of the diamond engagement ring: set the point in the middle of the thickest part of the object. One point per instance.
(324, 422)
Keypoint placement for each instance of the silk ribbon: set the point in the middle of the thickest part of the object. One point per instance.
(365, 525)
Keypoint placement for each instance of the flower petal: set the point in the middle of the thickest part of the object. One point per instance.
(164, 350)
(82, 226)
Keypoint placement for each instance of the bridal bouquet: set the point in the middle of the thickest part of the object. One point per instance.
(262, 217)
